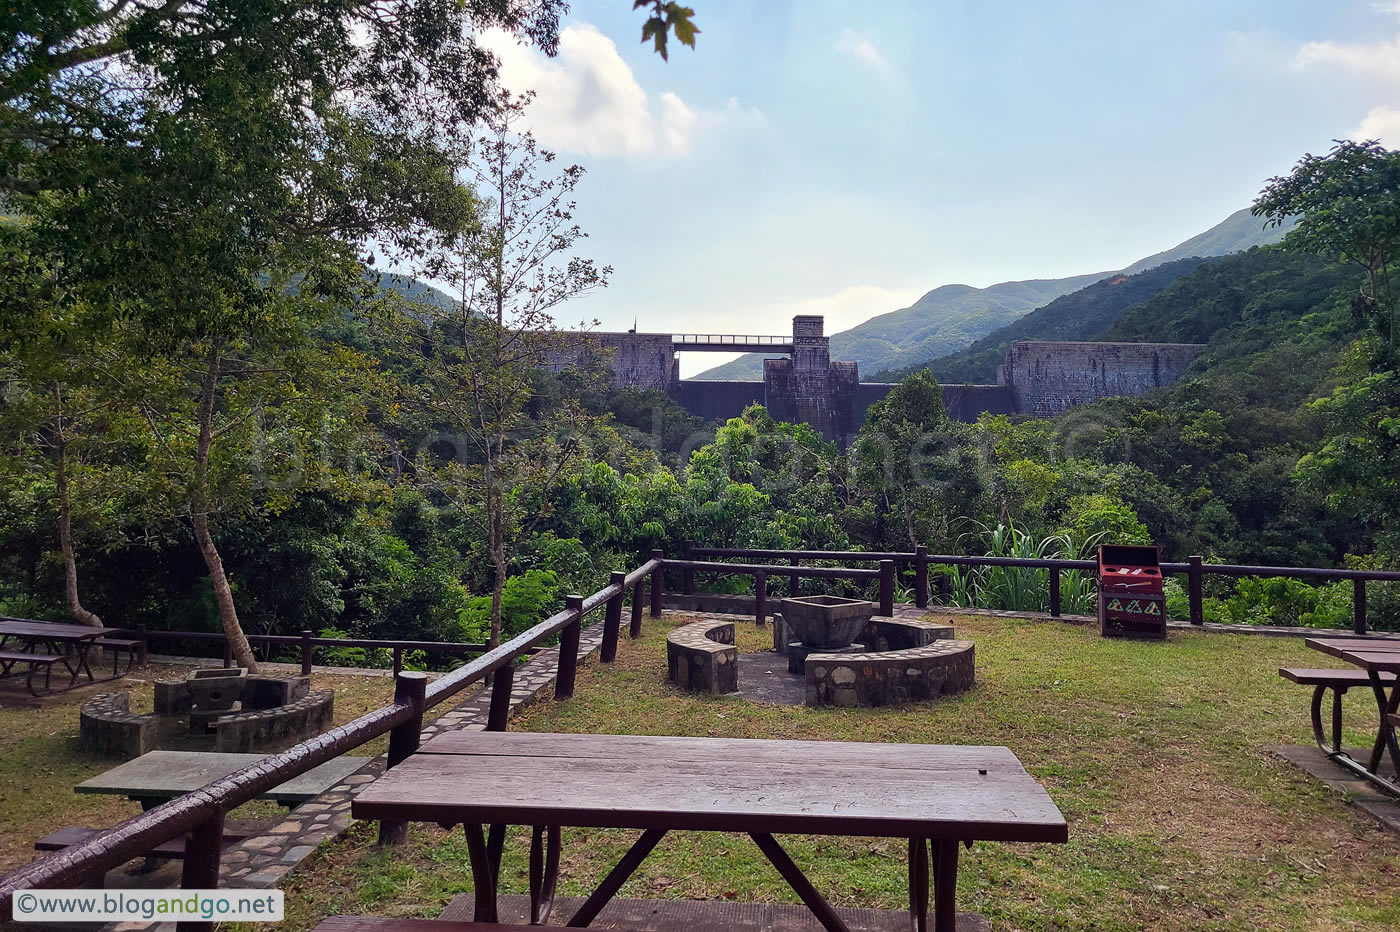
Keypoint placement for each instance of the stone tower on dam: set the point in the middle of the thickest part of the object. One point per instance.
(1038, 378)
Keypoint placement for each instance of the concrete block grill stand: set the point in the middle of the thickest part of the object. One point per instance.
(1132, 602)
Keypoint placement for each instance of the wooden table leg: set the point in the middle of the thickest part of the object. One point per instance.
(544, 872)
(616, 878)
(495, 848)
(799, 883)
(65, 650)
(945, 886)
(918, 884)
(1385, 736)
(483, 878)
(83, 647)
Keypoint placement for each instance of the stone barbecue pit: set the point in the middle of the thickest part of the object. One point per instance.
(827, 652)
(223, 710)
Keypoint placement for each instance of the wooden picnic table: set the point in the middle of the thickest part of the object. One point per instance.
(158, 776)
(1376, 656)
(937, 796)
(71, 642)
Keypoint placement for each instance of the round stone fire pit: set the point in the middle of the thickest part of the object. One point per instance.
(216, 710)
(888, 661)
(825, 623)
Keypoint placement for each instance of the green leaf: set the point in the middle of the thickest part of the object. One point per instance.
(655, 29)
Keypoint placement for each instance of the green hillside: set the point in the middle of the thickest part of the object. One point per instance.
(413, 289)
(1080, 315)
(941, 322)
(953, 317)
(1211, 458)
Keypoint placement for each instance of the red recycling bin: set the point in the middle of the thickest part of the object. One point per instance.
(1132, 601)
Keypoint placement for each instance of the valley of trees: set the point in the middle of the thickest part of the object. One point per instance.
(212, 418)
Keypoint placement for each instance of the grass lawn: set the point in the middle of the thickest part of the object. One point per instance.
(41, 763)
(1178, 818)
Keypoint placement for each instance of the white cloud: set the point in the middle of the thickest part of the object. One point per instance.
(1381, 123)
(1370, 59)
(1373, 69)
(588, 100)
(1380, 59)
(862, 49)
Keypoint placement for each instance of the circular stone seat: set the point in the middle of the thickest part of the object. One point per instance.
(276, 728)
(939, 668)
(701, 657)
(886, 634)
(107, 726)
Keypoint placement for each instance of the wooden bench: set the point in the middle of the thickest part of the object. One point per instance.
(1338, 681)
(386, 923)
(8, 658)
(134, 648)
(174, 849)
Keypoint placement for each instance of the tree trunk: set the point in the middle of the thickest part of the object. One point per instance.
(908, 518)
(496, 534)
(65, 524)
(223, 595)
(199, 520)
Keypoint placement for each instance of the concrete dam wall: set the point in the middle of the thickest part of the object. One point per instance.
(1038, 378)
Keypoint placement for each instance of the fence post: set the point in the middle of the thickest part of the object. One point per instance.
(634, 628)
(502, 681)
(760, 597)
(612, 621)
(795, 581)
(203, 851)
(1194, 590)
(398, 659)
(409, 689)
(688, 574)
(306, 653)
(1358, 605)
(656, 583)
(887, 588)
(228, 653)
(1054, 592)
(921, 576)
(568, 649)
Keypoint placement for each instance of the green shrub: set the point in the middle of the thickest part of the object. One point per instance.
(526, 600)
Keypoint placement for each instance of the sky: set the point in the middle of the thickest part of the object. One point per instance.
(843, 158)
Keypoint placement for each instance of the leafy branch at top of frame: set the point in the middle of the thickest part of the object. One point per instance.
(666, 17)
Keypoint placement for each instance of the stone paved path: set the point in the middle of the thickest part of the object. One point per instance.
(262, 861)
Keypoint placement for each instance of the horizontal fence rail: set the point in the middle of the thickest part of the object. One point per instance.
(200, 814)
(761, 571)
(1195, 570)
(307, 642)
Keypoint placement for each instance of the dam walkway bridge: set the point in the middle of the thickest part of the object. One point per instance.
(730, 343)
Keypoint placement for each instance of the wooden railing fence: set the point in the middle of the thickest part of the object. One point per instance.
(1195, 569)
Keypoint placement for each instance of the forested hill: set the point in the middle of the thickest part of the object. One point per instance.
(1211, 459)
(952, 317)
(413, 289)
(1080, 315)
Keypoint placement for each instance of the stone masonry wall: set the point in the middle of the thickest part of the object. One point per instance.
(639, 360)
(1047, 378)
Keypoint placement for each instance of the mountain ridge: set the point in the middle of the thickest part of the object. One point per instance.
(952, 317)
